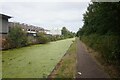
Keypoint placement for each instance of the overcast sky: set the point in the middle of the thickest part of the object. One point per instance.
(49, 15)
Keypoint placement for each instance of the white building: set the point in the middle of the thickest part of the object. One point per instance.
(55, 32)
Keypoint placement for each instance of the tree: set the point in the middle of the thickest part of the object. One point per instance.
(66, 33)
(102, 18)
(17, 37)
(101, 29)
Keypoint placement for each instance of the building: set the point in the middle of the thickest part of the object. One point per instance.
(48, 32)
(30, 29)
(55, 32)
(4, 25)
(3, 28)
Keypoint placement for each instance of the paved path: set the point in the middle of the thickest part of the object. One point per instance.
(86, 65)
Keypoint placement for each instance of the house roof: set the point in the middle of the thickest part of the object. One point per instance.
(26, 26)
(5, 16)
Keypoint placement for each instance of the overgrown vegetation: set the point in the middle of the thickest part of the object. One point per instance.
(101, 18)
(66, 33)
(101, 30)
(16, 38)
(32, 40)
(108, 46)
(54, 37)
(42, 38)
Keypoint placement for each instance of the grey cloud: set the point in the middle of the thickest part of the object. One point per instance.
(47, 15)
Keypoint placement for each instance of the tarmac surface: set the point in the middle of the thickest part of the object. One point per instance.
(87, 67)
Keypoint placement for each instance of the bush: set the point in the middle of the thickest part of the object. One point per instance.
(56, 37)
(42, 38)
(32, 40)
(108, 46)
(52, 38)
(5, 44)
(17, 37)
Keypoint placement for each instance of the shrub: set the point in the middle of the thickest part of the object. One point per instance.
(42, 38)
(108, 46)
(52, 38)
(5, 44)
(32, 40)
(55, 37)
(17, 37)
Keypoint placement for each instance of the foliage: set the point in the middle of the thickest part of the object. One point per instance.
(66, 33)
(4, 43)
(108, 46)
(79, 33)
(101, 18)
(101, 29)
(17, 37)
(42, 38)
(32, 40)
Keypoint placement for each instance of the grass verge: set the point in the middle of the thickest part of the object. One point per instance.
(66, 68)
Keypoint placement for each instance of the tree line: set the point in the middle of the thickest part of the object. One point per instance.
(101, 18)
(66, 33)
(101, 30)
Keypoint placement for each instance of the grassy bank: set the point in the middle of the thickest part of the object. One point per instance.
(66, 68)
(106, 49)
(35, 61)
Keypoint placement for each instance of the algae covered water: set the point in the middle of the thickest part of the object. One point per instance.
(36, 61)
